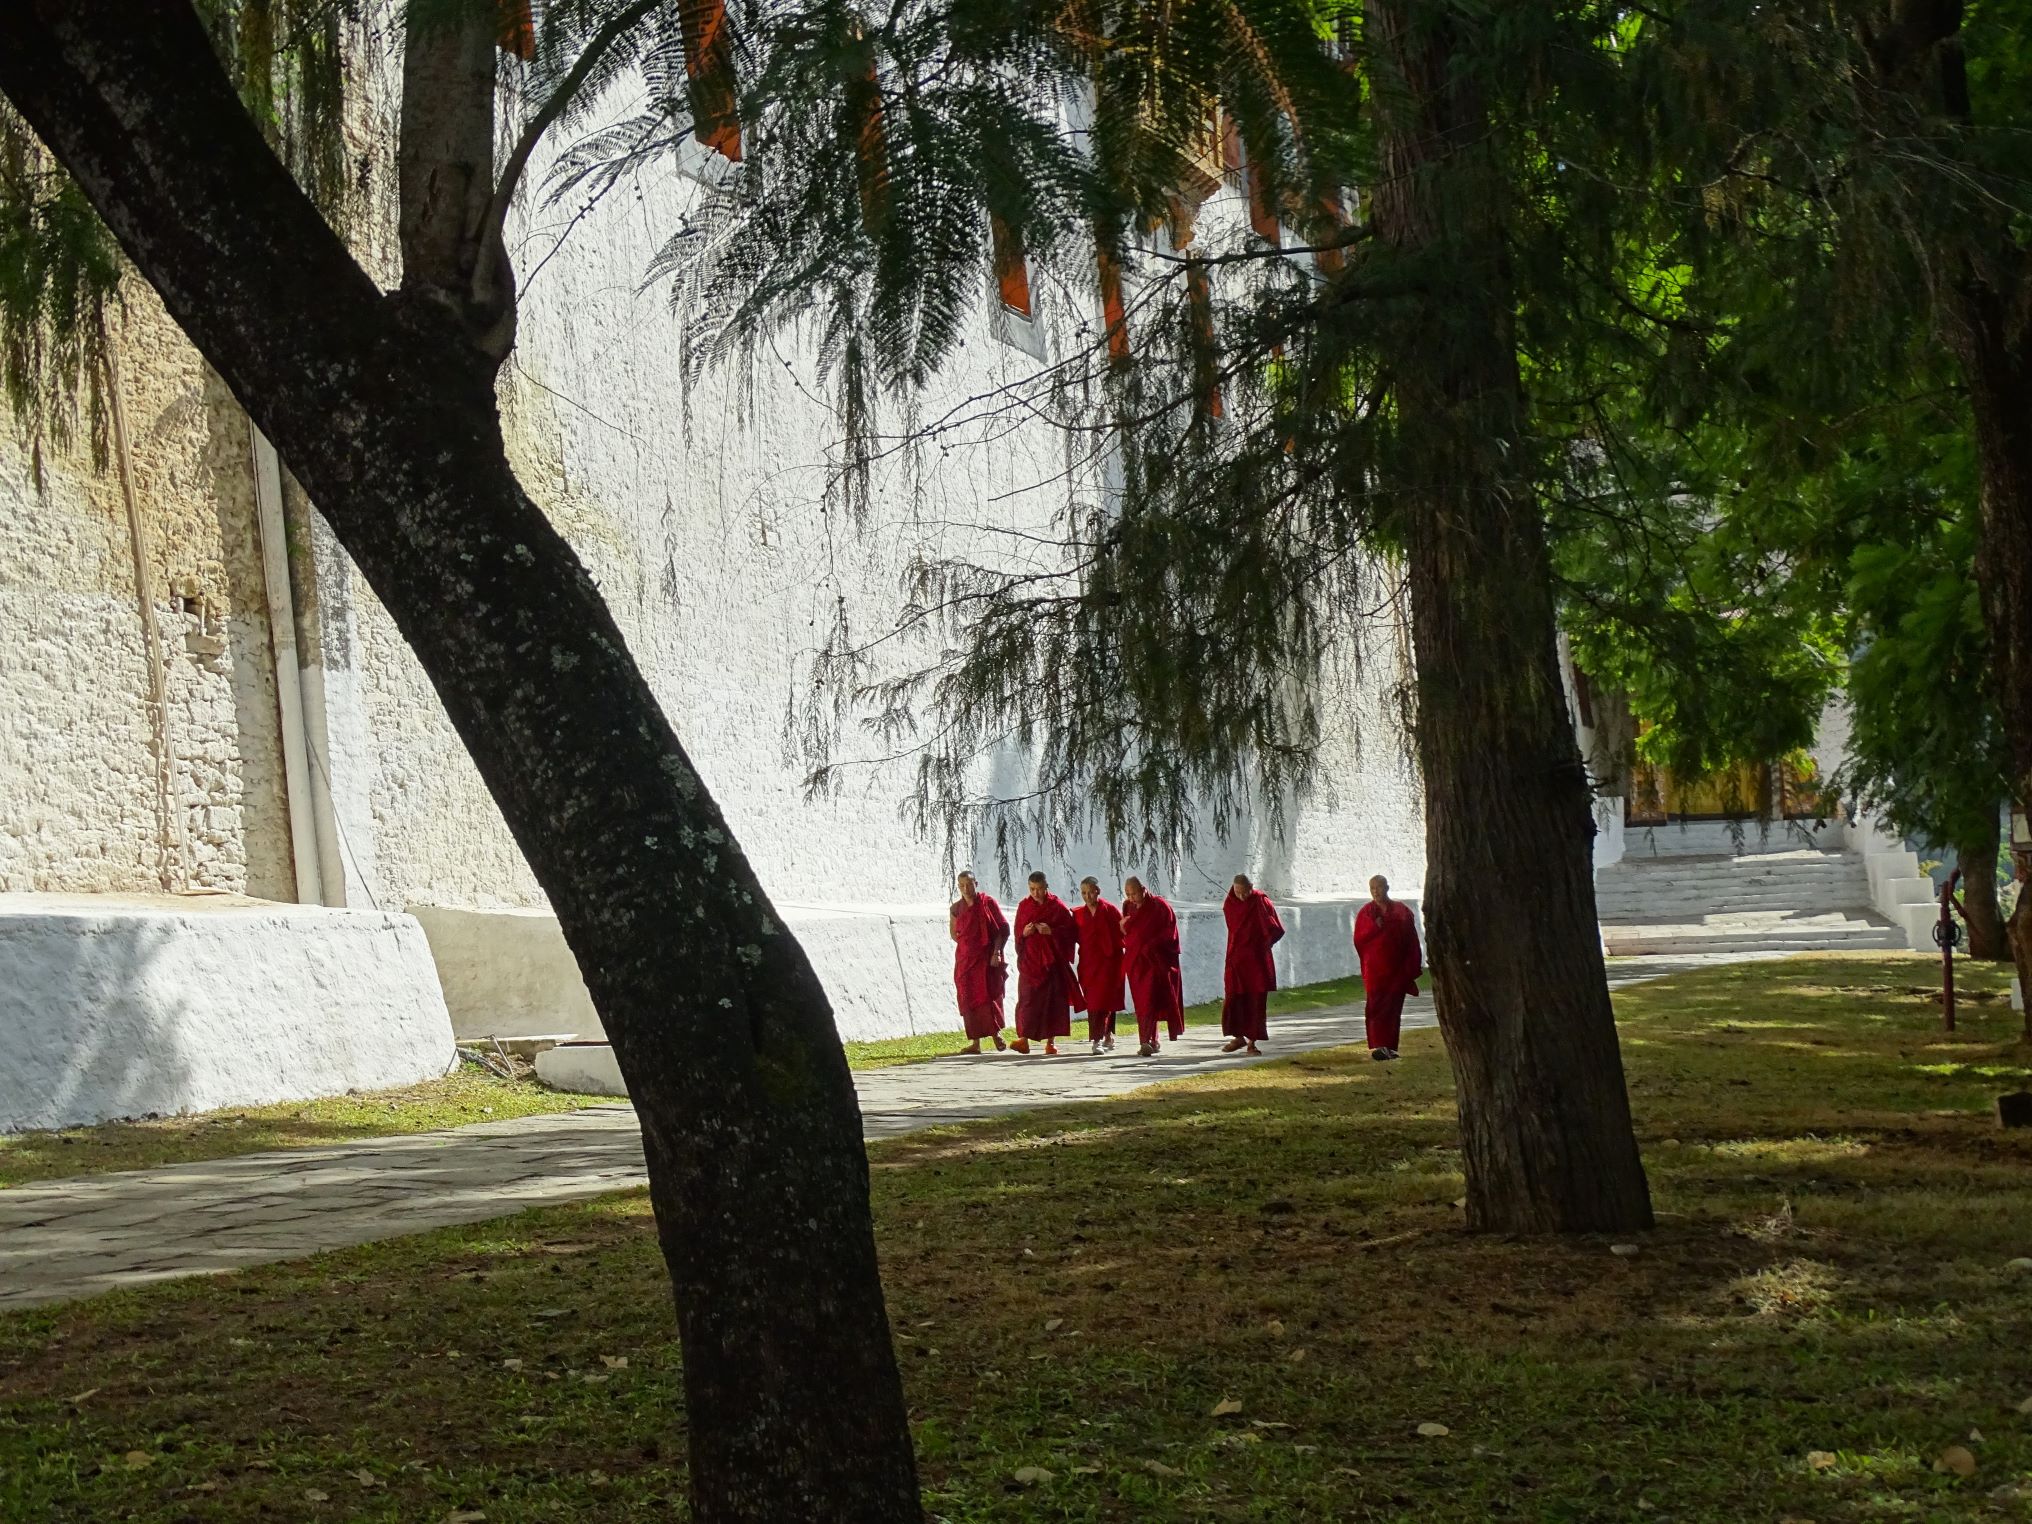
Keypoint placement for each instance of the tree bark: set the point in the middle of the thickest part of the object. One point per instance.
(1985, 313)
(1978, 863)
(1513, 941)
(1991, 334)
(385, 411)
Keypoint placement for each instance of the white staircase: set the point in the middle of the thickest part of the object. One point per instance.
(1766, 902)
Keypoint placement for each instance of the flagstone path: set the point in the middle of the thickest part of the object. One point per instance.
(62, 1239)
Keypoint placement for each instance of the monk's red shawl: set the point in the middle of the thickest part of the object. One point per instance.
(1253, 929)
(1386, 940)
(1100, 956)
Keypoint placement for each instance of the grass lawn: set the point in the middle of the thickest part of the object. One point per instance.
(466, 1095)
(911, 1050)
(1246, 1297)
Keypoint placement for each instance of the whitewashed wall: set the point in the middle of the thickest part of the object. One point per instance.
(700, 509)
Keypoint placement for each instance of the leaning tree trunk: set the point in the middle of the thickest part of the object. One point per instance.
(1513, 942)
(385, 411)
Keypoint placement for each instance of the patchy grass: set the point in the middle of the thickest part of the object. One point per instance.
(910, 1050)
(468, 1095)
(1828, 1305)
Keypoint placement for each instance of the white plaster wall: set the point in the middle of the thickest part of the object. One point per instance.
(113, 1008)
(508, 973)
(701, 510)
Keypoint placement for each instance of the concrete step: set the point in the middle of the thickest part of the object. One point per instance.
(1850, 935)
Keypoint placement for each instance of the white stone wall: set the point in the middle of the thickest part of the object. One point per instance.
(113, 1007)
(78, 760)
(700, 508)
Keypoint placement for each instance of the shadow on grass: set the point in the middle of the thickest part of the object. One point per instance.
(1827, 1305)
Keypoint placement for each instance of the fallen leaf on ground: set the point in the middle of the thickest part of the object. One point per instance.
(614, 1362)
(1820, 1460)
(1624, 1250)
(312, 1495)
(1032, 1476)
(2020, 1265)
(137, 1460)
(1433, 1431)
(1226, 1406)
(1264, 1423)
(1053, 1325)
(1957, 1459)
(366, 1478)
(90, 1391)
(1086, 1470)
(465, 1516)
(2025, 1406)
(511, 1365)
(1276, 1328)
(1975, 1436)
(1158, 1468)
(1297, 1355)
(211, 1486)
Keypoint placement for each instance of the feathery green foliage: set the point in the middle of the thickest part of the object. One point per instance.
(60, 270)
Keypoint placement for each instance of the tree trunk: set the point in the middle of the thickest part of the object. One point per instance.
(384, 409)
(1992, 339)
(1978, 863)
(1513, 942)
(1985, 312)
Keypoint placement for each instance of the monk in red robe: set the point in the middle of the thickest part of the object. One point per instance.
(1100, 963)
(980, 969)
(1386, 940)
(1046, 987)
(1150, 958)
(1251, 973)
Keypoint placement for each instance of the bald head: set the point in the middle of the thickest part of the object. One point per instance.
(1379, 889)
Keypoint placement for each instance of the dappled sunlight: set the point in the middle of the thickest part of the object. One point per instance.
(1801, 1150)
(1793, 1288)
(1078, 1288)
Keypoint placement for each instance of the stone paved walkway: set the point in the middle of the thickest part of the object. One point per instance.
(63, 1239)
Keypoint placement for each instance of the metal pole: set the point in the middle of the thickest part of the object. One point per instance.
(1946, 935)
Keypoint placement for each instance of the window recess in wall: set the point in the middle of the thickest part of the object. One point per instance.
(1014, 319)
(709, 67)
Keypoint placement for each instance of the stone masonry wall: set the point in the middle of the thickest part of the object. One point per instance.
(78, 760)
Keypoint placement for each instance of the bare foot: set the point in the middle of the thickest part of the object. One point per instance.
(972, 1047)
(1000, 1045)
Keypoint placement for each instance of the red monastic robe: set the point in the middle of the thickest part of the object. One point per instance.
(1251, 973)
(1046, 987)
(1100, 965)
(980, 933)
(1150, 958)
(1386, 940)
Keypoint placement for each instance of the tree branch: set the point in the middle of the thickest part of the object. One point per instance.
(491, 231)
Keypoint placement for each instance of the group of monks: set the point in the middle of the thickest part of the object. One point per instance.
(1090, 957)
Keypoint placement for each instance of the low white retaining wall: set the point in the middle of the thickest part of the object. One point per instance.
(888, 973)
(131, 1008)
